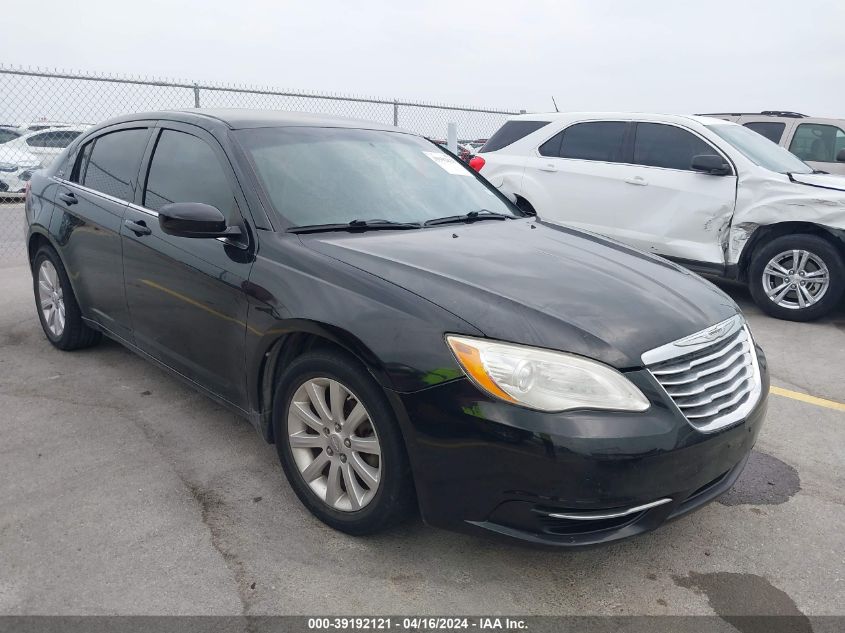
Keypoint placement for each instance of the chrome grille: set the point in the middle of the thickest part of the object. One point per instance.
(712, 376)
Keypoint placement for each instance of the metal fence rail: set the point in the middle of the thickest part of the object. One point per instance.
(61, 104)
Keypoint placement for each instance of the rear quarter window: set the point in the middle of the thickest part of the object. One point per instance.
(510, 133)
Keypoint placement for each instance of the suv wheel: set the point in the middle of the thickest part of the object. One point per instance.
(340, 445)
(58, 311)
(797, 277)
(525, 206)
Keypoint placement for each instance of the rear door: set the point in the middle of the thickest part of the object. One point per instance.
(186, 296)
(90, 205)
(669, 208)
(577, 177)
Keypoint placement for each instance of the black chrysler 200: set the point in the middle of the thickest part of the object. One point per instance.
(404, 335)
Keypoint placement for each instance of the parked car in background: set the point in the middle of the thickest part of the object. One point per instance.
(818, 142)
(462, 151)
(708, 193)
(396, 327)
(8, 133)
(474, 146)
(20, 156)
(44, 124)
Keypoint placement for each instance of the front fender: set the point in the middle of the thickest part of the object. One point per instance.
(765, 201)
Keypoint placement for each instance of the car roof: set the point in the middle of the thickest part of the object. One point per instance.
(624, 116)
(243, 118)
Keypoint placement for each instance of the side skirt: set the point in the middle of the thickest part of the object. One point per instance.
(706, 268)
(253, 416)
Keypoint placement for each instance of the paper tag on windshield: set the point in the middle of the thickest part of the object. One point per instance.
(447, 163)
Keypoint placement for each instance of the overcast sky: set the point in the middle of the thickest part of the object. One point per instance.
(648, 55)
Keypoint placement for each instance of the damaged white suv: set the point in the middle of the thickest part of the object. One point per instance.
(712, 195)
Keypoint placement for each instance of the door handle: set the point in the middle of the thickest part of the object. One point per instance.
(139, 228)
(68, 198)
(548, 167)
(636, 180)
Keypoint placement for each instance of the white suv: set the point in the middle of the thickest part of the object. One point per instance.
(818, 142)
(713, 195)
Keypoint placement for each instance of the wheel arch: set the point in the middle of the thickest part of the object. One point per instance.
(522, 200)
(39, 237)
(299, 337)
(771, 231)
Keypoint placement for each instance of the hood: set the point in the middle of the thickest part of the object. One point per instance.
(537, 284)
(828, 181)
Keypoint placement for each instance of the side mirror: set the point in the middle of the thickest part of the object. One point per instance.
(710, 164)
(840, 157)
(194, 219)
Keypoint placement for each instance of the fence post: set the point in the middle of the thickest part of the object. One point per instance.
(395, 113)
(452, 137)
(196, 96)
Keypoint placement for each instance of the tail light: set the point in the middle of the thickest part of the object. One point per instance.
(476, 162)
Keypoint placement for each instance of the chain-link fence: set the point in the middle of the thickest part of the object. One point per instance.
(41, 112)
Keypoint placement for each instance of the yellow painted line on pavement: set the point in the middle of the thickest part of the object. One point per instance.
(803, 397)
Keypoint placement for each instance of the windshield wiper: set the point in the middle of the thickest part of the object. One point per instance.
(354, 225)
(472, 216)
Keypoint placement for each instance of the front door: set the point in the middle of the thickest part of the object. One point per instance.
(671, 209)
(186, 296)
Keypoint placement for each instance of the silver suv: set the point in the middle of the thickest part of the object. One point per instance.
(818, 142)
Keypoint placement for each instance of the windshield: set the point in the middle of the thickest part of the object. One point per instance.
(319, 176)
(761, 150)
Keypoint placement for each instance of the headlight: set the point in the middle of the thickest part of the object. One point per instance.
(543, 379)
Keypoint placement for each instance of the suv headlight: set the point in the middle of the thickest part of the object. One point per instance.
(543, 379)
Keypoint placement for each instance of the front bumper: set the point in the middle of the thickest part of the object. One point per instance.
(482, 465)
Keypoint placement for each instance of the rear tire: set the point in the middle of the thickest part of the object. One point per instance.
(58, 311)
(797, 277)
(327, 457)
(525, 206)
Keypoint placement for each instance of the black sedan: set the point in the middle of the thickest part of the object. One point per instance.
(401, 332)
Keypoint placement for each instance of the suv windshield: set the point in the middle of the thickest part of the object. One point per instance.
(316, 176)
(761, 150)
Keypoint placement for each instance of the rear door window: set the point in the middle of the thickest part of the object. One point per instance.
(668, 146)
(594, 140)
(185, 168)
(772, 130)
(817, 142)
(510, 133)
(112, 168)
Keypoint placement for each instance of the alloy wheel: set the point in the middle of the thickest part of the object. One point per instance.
(796, 279)
(51, 298)
(334, 444)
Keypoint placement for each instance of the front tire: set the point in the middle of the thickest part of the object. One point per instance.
(797, 277)
(58, 311)
(525, 206)
(340, 445)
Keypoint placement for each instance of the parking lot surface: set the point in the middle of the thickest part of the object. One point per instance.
(124, 492)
